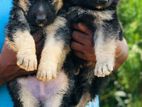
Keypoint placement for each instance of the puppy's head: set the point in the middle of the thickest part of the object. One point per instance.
(41, 12)
(91, 4)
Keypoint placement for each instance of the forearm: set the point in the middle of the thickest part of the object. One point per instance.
(4, 77)
(121, 53)
(14, 72)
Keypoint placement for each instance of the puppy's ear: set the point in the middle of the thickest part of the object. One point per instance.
(58, 4)
(24, 4)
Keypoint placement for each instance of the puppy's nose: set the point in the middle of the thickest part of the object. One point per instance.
(102, 1)
(41, 19)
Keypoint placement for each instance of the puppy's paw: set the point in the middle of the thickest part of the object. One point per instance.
(27, 61)
(104, 67)
(46, 73)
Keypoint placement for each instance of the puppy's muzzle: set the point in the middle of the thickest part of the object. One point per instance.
(41, 19)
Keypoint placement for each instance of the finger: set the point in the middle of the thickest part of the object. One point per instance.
(81, 27)
(84, 57)
(82, 38)
(82, 48)
(77, 46)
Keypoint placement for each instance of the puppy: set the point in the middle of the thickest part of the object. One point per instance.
(28, 18)
(101, 17)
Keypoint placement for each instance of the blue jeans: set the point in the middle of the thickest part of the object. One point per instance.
(5, 99)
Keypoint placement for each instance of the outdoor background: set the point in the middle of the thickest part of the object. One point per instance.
(126, 90)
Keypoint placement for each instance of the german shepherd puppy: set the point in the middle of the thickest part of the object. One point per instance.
(29, 17)
(101, 17)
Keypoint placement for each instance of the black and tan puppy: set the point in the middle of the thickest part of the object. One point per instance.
(29, 17)
(101, 17)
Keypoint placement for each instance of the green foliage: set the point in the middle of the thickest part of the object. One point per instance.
(126, 89)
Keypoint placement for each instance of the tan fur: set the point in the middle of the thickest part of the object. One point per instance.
(24, 4)
(23, 40)
(53, 53)
(58, 4)
(104, 15)
(105, 54)
(50, 58)
(56, 100)
(25, 47)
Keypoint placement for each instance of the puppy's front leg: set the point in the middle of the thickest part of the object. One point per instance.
(105, 53)
(19, 37)
(54, 51)
(26, 54)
